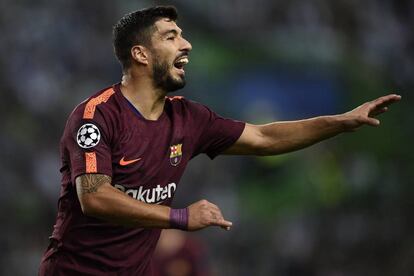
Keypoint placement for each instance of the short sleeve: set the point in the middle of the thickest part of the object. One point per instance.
(87, 142)
(213, 133)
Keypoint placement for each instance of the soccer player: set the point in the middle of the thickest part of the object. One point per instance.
(125, 149)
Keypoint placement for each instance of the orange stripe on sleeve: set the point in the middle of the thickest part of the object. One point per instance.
(90, 162)
(90, 107)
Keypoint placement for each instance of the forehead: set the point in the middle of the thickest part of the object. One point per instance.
(164, 25)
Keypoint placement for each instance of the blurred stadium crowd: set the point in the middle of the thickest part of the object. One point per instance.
(340, 208)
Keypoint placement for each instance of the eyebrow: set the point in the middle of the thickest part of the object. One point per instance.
(172, 31)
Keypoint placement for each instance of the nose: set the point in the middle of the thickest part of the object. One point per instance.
(185, 45)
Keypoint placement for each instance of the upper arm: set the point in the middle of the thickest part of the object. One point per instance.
(86, 141)
(251, 142)
(87, 185)
(211, 133)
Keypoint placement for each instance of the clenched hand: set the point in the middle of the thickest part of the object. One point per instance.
(203, 214)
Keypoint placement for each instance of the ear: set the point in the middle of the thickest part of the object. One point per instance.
(140, 54)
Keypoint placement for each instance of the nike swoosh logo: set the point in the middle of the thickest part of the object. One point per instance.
(124, 162)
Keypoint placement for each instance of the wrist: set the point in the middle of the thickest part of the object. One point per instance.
(346, 122)
(338, 123)
(179, 218)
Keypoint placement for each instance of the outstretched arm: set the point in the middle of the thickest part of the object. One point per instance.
(98, 198)
(281, 137)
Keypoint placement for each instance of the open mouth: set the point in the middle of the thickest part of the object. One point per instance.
(181, 62)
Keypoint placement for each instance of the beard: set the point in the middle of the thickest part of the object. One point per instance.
(163, 78)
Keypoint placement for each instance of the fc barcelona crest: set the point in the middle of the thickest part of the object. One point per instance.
(176, 154)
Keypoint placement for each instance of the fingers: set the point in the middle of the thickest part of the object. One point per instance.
(365, 113)
(385, 100)
(372, 121)
(380, 105)
(389, 98)
(379, 111)
(203, 214)
(218, 220)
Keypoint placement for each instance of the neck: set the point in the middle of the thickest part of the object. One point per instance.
(140, 91)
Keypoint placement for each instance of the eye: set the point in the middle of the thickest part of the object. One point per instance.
(171, 38)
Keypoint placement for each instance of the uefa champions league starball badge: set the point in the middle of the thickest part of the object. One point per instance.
(176, 154)
(88, 136)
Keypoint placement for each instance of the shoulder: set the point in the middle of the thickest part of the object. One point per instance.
(98, 100)
(100, 104)
(100, 110)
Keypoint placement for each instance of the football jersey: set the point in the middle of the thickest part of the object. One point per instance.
(146, 159)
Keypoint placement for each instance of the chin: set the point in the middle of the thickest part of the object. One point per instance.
(176, 86)
(167, 79)
(172, 84)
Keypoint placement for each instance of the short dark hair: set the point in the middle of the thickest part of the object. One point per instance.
(136, 28)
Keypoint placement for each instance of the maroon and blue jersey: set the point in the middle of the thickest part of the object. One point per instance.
(146, 159)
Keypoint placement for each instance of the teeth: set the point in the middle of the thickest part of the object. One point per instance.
(183, 60)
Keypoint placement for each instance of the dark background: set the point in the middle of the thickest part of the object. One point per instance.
(342, 207)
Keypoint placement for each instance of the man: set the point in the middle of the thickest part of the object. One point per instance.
(125, 149)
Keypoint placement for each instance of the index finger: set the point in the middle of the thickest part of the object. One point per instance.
(222, 223)
(386, 100)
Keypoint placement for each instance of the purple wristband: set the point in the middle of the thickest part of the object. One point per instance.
(179, 218)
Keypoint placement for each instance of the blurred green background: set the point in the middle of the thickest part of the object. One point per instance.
(342, 207)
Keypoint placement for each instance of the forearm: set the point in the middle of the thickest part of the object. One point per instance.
(114, 206)
(282, 137)
(100, 199)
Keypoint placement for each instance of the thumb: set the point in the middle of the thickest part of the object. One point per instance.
(372, 121)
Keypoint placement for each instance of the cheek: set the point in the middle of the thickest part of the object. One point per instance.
(163, 53)
(165, 61)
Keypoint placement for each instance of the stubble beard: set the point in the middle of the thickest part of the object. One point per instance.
(163, 78)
